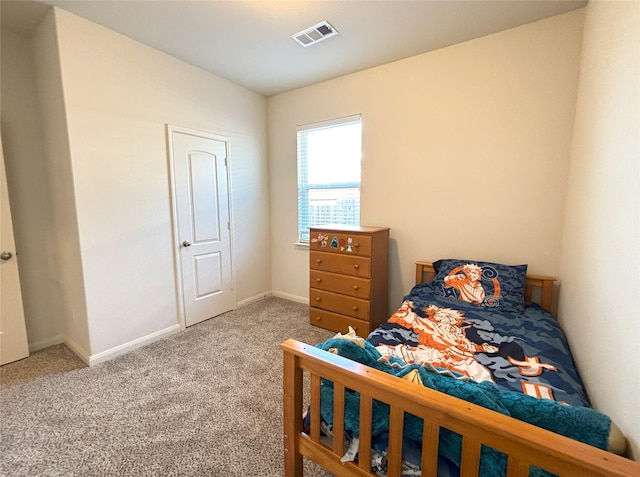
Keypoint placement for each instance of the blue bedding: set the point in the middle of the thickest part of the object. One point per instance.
(517, 364)
(578, 422)
(523, 352)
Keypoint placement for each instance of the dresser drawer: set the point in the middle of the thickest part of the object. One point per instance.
(342, 304)
(339, 242)
(345, 284)
(340, 263)
(348, 277)
(338, 323)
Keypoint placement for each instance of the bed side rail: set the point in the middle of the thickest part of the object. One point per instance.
(524, 444)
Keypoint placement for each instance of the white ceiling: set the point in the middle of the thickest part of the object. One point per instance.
(249, 42)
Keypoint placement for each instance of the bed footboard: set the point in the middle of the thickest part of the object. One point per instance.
(524, 444)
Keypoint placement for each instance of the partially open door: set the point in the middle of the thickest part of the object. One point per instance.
(13, 333)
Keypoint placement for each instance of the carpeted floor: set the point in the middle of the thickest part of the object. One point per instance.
(53, 360)
(204, 402)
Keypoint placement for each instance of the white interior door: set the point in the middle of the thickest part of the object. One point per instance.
(199, 163)
(13, 333)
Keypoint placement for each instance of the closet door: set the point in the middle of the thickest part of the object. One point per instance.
(202, 223)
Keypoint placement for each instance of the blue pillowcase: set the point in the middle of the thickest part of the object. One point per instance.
(485, 284)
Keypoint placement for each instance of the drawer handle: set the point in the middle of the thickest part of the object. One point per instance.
(355, 308)
(318, 298)
(356, 287)
(318, 318)
(318, 280)
(356, 266)
(318, 260)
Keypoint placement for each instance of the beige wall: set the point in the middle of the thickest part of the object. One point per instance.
(105, 103)
(601, 247)
(56, 160)
(465, 152)
(22, 138)
(119, 94)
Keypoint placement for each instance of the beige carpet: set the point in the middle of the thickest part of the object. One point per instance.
(204, 402)
(53, 360)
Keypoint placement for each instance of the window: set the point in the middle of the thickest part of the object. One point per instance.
(329, 156)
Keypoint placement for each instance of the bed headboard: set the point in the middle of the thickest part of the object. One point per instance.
(425, 273)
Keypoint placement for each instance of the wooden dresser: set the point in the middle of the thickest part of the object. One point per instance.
(348, 282)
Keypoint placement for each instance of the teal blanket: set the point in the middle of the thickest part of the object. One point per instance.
(579, 423)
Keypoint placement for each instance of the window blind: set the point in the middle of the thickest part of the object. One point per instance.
(329, 159)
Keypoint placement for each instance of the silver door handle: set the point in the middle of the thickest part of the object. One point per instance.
(5, 255)
(186, 243)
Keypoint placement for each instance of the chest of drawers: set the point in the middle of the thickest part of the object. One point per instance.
(348, 278)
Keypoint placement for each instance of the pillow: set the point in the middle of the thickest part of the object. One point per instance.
(486, 284)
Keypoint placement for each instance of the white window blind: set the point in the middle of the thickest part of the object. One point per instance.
(329, 156)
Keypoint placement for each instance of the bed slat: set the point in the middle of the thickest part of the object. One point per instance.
(364, 451)
(338, 418)
(517, 468)
(394, 455)
(315, 404)
(470, 462)
(430, 436)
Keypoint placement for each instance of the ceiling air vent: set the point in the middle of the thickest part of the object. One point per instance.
(316, 33)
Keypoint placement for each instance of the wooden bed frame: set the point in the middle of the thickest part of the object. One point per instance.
(523, 443)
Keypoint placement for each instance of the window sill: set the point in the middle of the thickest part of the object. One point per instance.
(301, 244)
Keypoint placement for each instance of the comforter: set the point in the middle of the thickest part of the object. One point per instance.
(523, 352)
(516, 364)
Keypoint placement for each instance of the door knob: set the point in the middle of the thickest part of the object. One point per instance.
(5, 255)
(186, 243)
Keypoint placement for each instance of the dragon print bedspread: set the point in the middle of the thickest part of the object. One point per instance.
(525, 352)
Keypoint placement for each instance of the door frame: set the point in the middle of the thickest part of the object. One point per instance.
(177, 264)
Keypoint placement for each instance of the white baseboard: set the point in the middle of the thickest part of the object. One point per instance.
(253, 299)
(92, 360)
(42, 344)
(131, 345)
(277, 294)
(56, 340)
(82, 354)
(287, 296)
